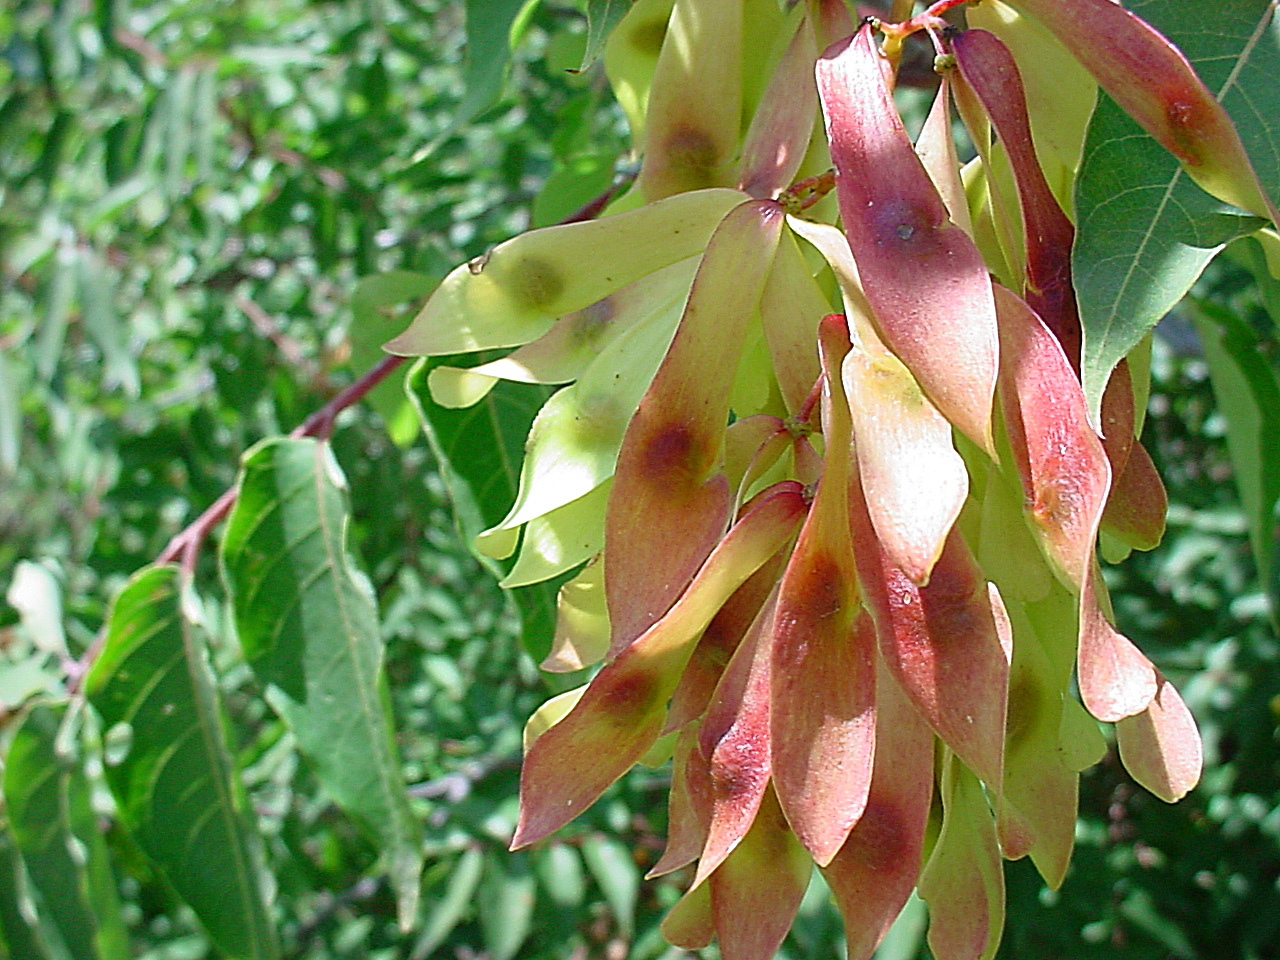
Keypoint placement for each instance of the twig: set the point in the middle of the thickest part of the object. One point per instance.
(185, 545)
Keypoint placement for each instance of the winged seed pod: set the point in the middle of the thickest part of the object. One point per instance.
(834, 493)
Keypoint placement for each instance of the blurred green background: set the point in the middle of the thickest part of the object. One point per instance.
(212, 212)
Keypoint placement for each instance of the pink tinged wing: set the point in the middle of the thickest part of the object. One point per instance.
(734, 739)
(1151, 79)
(670, 501)
(915, 481)
(1116, 680)
(873, 873)
(988, 67)
(1064, 470)
(963, 882)
(823, 709)
(623, 710)
(926, 281)
(756, 892)
(941, 643)
(718, 642)
(1161, 747)
(783, 123)
(1138, 504)
(687, 805)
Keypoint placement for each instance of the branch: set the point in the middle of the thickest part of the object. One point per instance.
(185, 546)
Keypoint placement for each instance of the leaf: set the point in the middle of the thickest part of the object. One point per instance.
(308, 622)
(56, 831)
(174, 785)
(445, 913)
(489, 28)
(1248, 394)
(479, 450)
(1144, 230)
(10, 416)
(615, 870)
(505, 901)
(602, 17)
(19, 939)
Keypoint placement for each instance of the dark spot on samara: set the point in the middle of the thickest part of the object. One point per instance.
(532, 283)
(671, 452)
(692, 156)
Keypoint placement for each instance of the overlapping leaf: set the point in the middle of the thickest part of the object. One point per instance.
(174, 783)
(56, 831)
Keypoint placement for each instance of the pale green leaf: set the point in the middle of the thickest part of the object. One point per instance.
(307, 620)
(56, 831)
(616, 871)
(505, 900)
(174, 785)
(445, 913)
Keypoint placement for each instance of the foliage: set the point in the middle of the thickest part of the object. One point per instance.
(212, 217)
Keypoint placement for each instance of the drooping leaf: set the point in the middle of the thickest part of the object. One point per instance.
(505, 900)
(1248, 393)
(1144, 231)
(445, 912)
(10, 416)
(56, 831)
(175, 787)
(616, 873)
(308, 623)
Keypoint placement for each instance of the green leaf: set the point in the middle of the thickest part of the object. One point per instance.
(171, 775)
(19, 939)
(308, 623)
(505, 901)
(10, 417)
(56, 832)
(602, 17)
(479, 450)
(444, 914)
(1144, 231)
(1248, 394)
(618, 875)
(559, 868)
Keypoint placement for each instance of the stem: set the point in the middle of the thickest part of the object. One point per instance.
(929, 19)
(185, 546)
